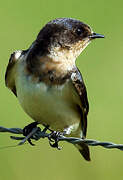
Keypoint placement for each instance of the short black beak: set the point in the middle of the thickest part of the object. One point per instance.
(96, 35)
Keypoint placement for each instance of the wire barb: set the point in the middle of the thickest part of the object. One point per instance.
(36, 134)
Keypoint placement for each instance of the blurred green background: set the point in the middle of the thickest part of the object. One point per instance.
(101, 65)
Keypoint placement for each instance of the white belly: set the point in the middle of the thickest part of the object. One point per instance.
(53, 106)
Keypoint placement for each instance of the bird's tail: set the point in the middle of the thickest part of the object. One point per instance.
(84, 150)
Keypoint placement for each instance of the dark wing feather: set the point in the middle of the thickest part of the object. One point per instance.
(10, 72)
(79, 85)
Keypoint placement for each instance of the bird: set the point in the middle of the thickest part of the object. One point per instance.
(48, 84)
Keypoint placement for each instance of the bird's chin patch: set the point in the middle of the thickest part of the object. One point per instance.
(79, 47)
(65, 53)
(64, 58)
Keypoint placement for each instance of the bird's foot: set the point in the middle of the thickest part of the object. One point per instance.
(28, 131)
(54, 139)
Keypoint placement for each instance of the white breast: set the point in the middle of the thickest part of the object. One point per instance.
(54, 106)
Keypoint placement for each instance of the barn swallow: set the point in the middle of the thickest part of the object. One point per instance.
(46, 81)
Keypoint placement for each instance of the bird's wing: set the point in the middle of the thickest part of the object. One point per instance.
(10, 71)
(83, 108)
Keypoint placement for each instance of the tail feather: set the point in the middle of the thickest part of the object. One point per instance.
(84, 150)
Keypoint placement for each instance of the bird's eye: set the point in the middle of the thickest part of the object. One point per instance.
(79, 31)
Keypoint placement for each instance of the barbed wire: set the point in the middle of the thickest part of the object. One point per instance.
(37, 134)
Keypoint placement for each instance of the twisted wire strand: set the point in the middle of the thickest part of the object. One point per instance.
(36, 134)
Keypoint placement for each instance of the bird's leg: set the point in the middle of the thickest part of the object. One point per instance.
(28, 129)
(47, 128)
(54, 139)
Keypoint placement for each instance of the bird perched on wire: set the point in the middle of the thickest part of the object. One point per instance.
(47, 83)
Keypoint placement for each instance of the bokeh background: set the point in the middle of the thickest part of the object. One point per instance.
(102, 67)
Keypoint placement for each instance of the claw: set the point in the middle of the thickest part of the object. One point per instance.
(30, 142)
(54, 139)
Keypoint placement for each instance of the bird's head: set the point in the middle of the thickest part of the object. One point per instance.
(63, 39)
(66, 34)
